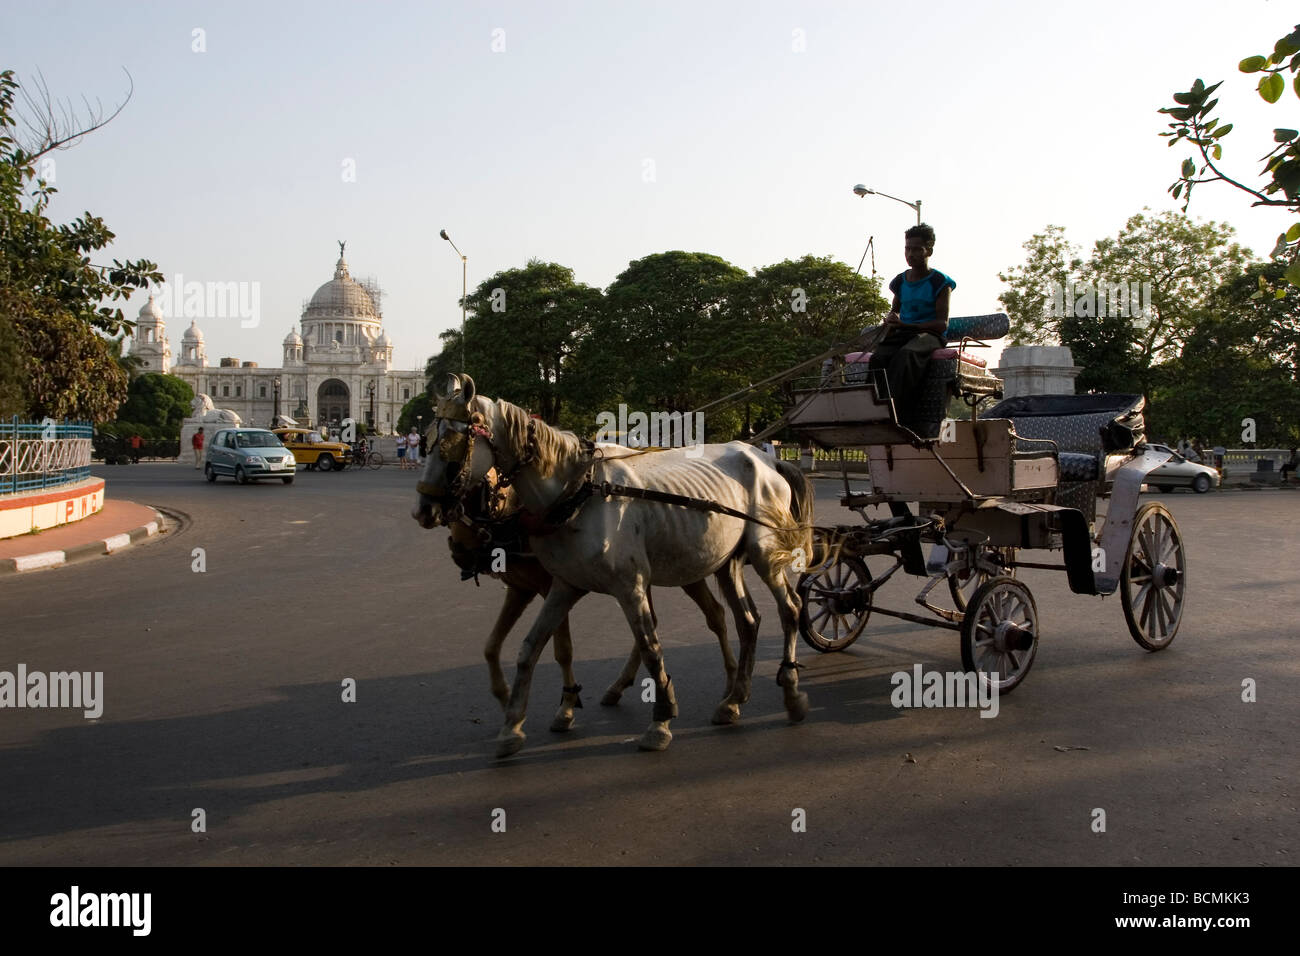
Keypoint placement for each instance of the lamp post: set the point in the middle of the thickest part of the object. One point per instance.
(864, 192)
(370, 389)
(277, 403)
(464, 292)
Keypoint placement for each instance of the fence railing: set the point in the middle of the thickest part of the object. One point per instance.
(35, 455)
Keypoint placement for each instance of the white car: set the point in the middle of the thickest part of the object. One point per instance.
(1179, 472)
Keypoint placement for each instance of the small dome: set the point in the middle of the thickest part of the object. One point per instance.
(150, 310)
(192, 334)
(383, 341)
(293, 338)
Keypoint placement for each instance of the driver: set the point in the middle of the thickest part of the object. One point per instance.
(916, 324)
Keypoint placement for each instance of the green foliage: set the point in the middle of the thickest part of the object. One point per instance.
(157, 401)
(521, 328)
(654, 343)
(1241, 361)
(1183, 261)
(420, 405)
(1194, 124)
(674, 331)
(51, 293)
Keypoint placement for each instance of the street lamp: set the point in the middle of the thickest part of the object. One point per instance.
(277, 403)
(464, 291)
(370, 389)
(864, 192)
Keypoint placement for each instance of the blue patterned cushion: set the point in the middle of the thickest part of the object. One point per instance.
(983, 327)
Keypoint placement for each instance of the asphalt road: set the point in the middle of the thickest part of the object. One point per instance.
(223, 692)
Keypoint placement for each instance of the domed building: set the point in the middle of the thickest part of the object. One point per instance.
(338, 367)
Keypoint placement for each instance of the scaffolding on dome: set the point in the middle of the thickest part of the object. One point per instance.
(375, 291)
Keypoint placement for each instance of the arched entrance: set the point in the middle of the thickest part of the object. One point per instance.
(333, 402)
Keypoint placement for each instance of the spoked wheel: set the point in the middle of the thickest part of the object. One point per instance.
(836, 603)
(1154, 581)
(999, 634)
(374, 459)
(962, 589)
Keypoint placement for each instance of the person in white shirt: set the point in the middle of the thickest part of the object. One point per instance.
(401, 451)
(413, 448)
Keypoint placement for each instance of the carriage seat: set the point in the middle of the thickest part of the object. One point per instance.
(951, 371)
(1079, 467)
(1084, 428)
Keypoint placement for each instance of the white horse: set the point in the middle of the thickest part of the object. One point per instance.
(621, 545)
(524, 578)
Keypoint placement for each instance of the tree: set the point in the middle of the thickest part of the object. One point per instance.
(520, 329)
(51, 293)
(778, 317)
(1240, 362)
(1132, 304)
(419, 410)
(652, 344)
(157, 401)
(1194, 124)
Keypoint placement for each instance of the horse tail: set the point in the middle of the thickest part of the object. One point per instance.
(797, 539)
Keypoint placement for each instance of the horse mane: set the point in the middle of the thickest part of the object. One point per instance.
(553, 447)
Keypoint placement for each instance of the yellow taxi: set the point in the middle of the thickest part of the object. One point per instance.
(310, 448)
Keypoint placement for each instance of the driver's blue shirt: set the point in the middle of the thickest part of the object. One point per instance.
(916, 299)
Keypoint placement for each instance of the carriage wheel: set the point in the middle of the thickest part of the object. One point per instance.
(961, 591)
(835, 604)
(1154, 581)
(999, 633)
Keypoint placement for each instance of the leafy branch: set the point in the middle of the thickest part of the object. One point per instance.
(1194, 124)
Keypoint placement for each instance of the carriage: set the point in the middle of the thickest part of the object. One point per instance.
(1026, 474)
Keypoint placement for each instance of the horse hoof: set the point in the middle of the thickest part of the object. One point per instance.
(726, 714)
(509, 743)
(611, 698)
(656, 738)
(797, 709)
(562, 722)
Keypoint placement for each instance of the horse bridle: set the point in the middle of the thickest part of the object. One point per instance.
(457, 448)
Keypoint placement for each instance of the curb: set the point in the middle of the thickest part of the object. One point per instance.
(54, 559)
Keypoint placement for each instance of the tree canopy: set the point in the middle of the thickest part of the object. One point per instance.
(1172, 263)
(55, 328)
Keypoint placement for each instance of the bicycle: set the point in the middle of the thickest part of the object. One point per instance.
(363, 456)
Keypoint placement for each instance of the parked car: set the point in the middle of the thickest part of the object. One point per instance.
(313, 449)
(248, 454)
(1180, 472)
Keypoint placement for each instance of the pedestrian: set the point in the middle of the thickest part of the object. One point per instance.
(413, 449)
(1291, 465)
(136, 443)
(197, 442)
(915, 325)
(401, 451)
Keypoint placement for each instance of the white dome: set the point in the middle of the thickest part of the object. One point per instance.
(293, 338)
(192, 334)
(341, 297)
(150, 310)
(383, 341)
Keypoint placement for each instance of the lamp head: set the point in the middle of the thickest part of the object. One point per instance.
(444, 235)
(861, 190)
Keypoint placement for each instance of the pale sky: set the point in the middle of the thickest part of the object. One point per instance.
(598, 133)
